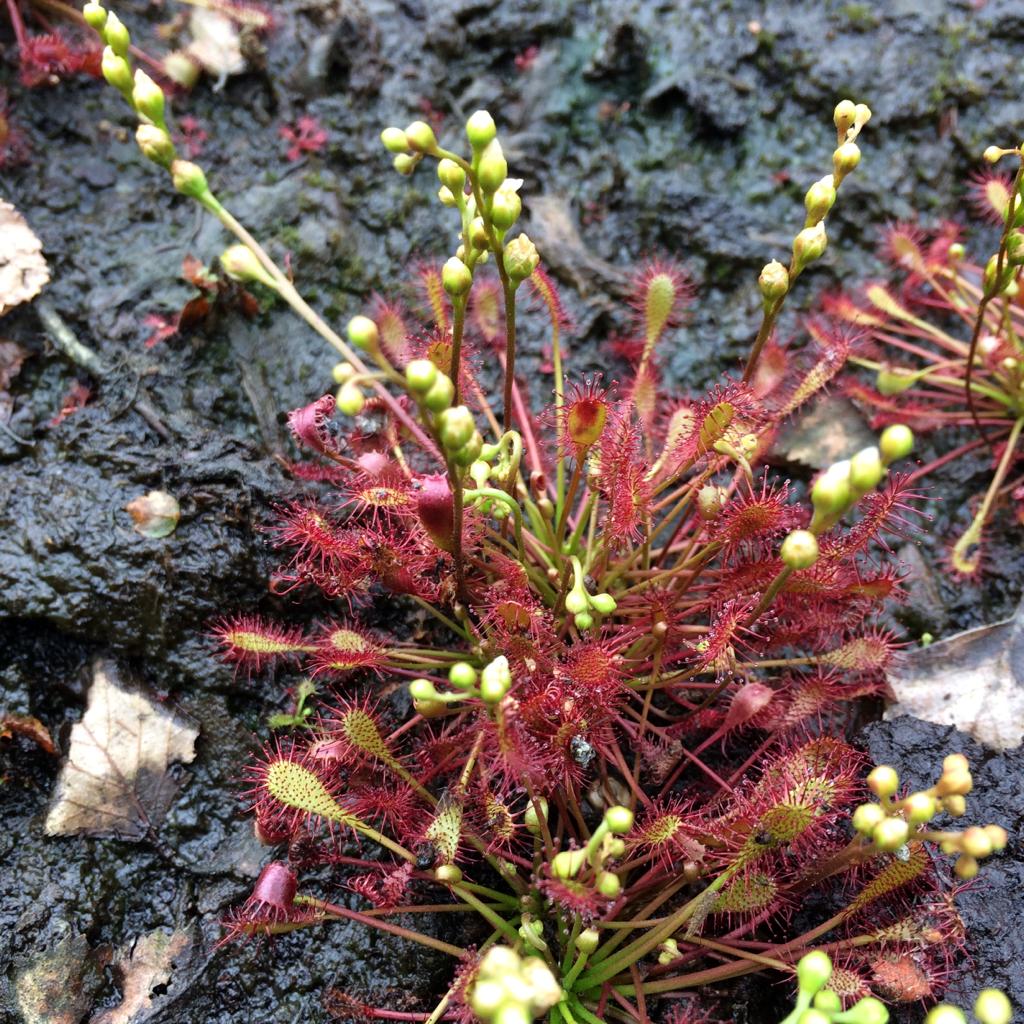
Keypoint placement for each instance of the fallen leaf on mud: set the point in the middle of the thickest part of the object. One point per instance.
(155, 514)
(973, 680)
(59, 985)
(118, 779)
(28, 726)
(140, 967)
(216, 43)
(23, 271)
(831, 430)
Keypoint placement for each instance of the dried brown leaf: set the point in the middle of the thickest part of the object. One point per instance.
(23, 271)
(28, 726)
(973, 680)
(118, 779)
(59, 984)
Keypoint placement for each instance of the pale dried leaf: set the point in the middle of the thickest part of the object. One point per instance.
(831, 430)
(118, 779)
(216, 43)
(23, 271)
(973, 680)
(141, 966)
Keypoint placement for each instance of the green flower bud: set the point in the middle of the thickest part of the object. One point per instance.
(452, 176)
(462, 675)
(576, 601)
(530, 818)
(883, 781)
(189, 179)
(919, 808)
(844, 160)
(363, 333)
(945, 1014)
(584, 621)
(350, 399)
(813, 971)
(240, 264)
(148, 98)
(456, 277)
(866, 471)
(422, 689)
(455, 427)
(115, 35)
(521, 258)
(440, 394)
(828, 1002)
(609, 884)
(478, 233)
(1015, 248)
(896, 442)
(420, 137)
(495, 680)
(957, 251)
(155, 144)
(480, 129)
(467, 455)
(619, 819)
(505, 208)
(893, 380)
(843, 115)
(492, 169)
(446, 197)
(116, 71)
(405, 163)
(567, 864)
(773, 282)
(866, 817)
(588, 939)
(394, 140)
(603, 604)
(799, 550)
(813, 1016)
(868, 1010)
(992, 1007)
(820, 198)
(890, 834)
(830, 494)
(95, 16)
(809, 245)
(420, 375)
(449, 874)
(342, 372)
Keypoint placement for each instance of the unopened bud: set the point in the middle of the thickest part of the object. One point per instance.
(456, 277)
(341, 372)
(478, 233)
(890, 834)
(830, 494)
(115, 35)
(451, 175)
(420, 137)
(919, 808)
(992, 1007)
(148, 98)
(455, 427)
(809, 245)
(992, 154)
(405, 163)
(774, 281)
(521, 258)
(394, 140)
(896, 442)
(966, 867)
(95, 16)
(363, 333)
(609, 884)
(799, 550)
(587, 940)
(350, 399)
(844, 160)
(883, 781)
(116, 71)
(843, 115)
(493, 168)
(155, 144)
(189, 179)
(820, 198)
(866, 471)
(505, 208)
(976, 843)
(480, 129)
(813, 972)
(867, 817)
(468, 454)
(495, 680)
(420, 375)
(240, 264)
(619, 819)
(440, 394)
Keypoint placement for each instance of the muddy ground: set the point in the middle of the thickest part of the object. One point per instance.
(690, 129)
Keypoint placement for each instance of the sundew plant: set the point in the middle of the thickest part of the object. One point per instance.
(617, 749)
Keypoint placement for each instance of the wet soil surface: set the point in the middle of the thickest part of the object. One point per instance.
(687, 129)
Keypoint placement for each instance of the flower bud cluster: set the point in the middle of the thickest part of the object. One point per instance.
(891, 822)
(991, 1007)
(590, 864)
(490, 685)
(817, 1005)
(844, 483)
(512, 989)
(581, 604)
